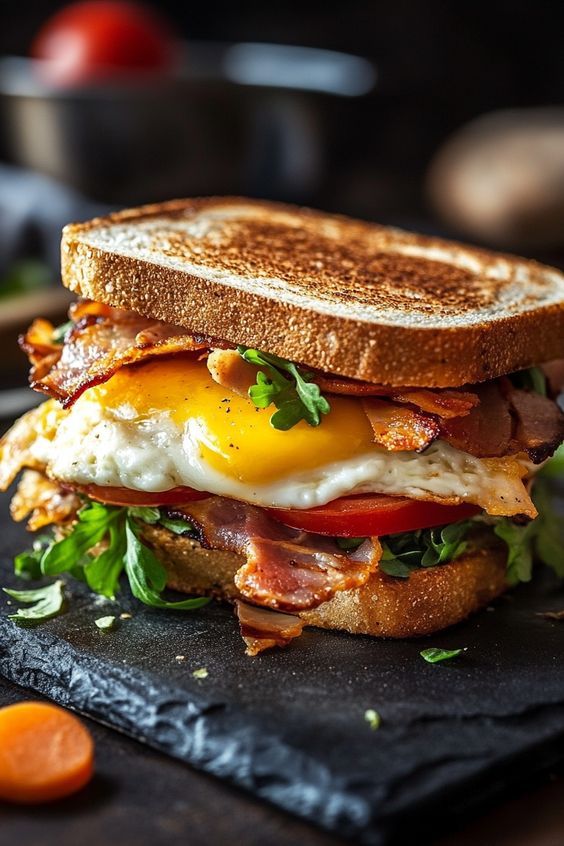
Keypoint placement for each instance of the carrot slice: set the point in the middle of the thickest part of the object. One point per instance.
(45, 753)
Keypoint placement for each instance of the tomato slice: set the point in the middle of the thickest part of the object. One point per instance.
(372, 515)
(127, 496)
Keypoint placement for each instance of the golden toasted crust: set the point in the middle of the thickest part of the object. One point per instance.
(430, 600)
(349, 297)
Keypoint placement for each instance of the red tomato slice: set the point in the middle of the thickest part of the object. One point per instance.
(372, 515)
(126, 496)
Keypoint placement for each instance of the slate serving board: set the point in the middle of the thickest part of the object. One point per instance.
(289, 726)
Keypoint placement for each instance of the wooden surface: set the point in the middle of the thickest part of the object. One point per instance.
(141, 798)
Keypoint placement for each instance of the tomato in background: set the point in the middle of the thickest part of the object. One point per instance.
(101, 39)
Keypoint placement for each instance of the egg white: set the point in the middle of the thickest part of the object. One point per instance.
(113, 447)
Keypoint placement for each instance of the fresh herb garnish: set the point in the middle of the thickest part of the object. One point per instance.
(373, 719)
(200, 673)
(27, 564)
(434, 655)
(45, 602)
(287, 387)
(176, 525)
(104, 542)
(408, 551)
(146, 574)
(105, 624)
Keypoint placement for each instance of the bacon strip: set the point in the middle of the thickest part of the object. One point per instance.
(507, 421)
(398, 428)
(487, 430)
(285, 569)
(539, 423)
(445, 404)
(263, 629)
(43, 500)
(98, 345)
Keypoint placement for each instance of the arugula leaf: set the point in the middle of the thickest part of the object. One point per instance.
(27, 564)
(47, 602)
(94, 521)
(434, 655)
(147, 576)
(531, 379)
(146, 514)
(117, 529)
(296, 398)
(407, 551)
(102, 572)
(542, 538)
(176, 525)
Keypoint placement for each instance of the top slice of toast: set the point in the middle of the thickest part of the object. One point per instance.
(353, 298)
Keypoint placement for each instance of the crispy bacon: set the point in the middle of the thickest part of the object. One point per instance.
(285, 569)
(487, 430)
(43, 500)
(445, 404)
(398, 427)
(507, 421)
(42, 351)
(539, 423)
(263, 629)
(98, 345)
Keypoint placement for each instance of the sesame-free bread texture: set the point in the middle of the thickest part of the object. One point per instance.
(352, 298)
(430, 600)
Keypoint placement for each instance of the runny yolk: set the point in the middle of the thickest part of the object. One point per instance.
(233, 436)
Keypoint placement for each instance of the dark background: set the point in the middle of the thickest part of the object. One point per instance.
(439, 63)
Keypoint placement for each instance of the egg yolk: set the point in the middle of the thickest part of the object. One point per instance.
(234, 437)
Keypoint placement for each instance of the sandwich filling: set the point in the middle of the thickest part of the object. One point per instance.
(313, 479)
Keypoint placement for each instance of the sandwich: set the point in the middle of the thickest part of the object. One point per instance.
(323, 421)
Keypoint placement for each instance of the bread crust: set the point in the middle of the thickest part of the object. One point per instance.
(352, 298)
(430, 600)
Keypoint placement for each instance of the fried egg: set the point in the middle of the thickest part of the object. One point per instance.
(166, 423)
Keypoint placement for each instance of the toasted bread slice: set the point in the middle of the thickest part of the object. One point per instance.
(430, 600)
(349, 297)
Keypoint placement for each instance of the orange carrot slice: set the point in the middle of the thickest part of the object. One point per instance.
(45, 753)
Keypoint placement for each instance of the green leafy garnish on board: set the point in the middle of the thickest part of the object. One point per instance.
(287, 387)
(373, 719)
(408, 551)
(44, 603)
(105, 624)
(434, 655)
(104, 542)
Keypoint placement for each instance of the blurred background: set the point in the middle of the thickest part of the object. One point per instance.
(439, 116)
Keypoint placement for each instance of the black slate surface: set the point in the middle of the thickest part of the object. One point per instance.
(289, 726)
